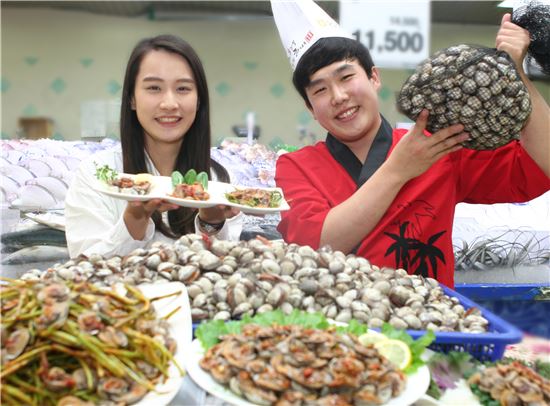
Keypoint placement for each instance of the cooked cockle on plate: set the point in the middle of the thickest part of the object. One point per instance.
(255, 197)
(511, 384)
(265, 364)
(192, 185)
(194, 192)
(72, 343)
(139, 184)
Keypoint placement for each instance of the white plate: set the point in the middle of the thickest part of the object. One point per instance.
(417, 383)
(180, 329)
(158, 189)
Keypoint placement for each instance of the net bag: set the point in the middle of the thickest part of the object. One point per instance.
(475, 86)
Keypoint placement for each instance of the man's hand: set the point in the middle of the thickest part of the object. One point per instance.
(513, 39)
(416, 152)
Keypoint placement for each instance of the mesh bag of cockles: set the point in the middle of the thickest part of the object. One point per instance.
(475, 86)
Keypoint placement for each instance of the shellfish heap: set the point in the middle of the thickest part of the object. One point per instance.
(292, 364)
(75, 344)
(228, 279)
(513, 384)
(474, 86)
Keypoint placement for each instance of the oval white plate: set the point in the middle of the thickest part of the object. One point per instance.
(417, 383)
(180, 330)
(162, 188)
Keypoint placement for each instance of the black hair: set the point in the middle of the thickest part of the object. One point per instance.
(195, 148)
(324, 52)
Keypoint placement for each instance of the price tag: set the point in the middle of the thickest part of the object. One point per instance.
(395, 32)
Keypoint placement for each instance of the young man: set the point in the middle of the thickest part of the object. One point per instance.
(390, 195)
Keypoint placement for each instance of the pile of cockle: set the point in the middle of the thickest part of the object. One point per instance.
(228, 279)
(512, 384)
(293, 364)
(77, 344)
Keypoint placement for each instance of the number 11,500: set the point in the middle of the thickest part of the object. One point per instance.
(393, 41)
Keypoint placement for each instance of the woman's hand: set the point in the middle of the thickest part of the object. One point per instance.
(217, 214)
(137, 215)
(416, 152)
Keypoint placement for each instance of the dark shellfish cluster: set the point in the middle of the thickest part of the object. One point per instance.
(474, 86)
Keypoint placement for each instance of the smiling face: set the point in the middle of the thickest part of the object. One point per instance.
(165, 98)
(344, 100)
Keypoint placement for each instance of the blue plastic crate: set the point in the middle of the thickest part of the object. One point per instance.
(488, 346)
(518, 304)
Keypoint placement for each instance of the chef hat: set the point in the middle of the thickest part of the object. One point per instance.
(301, 23)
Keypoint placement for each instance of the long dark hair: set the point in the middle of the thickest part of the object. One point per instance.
(195, 148)
(324, 52)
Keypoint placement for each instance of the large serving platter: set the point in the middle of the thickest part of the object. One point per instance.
(180, 330)
(162, 188)
(417, 383)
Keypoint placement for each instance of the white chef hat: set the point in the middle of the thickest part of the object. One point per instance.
(301, 23)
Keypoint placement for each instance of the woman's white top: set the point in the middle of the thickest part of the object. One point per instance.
(94, 220)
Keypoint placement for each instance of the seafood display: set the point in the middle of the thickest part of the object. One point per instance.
(512, 384)
(474, 86)
(255, 197)
(66, 343)
(292, 364)
(229, 279)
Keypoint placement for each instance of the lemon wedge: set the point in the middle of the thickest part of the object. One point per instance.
(371, 337)
(396, 351)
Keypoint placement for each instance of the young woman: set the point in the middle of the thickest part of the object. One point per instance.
(164, 126)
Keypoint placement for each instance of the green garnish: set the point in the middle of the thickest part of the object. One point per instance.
(209, 332)
(202, 178)
(105, 173)
(177, 178)
(189, 178)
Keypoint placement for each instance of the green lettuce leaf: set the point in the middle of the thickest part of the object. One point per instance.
(177, 178)
(105, 173)
(209, 333)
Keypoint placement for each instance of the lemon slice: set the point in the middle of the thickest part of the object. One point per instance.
(396, 351)
(371, 337)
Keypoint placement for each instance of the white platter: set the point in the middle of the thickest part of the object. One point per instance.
(417, 383)
(180, 329)
(162, 188)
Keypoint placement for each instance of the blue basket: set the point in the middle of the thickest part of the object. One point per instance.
(488, 346)
(519, 304)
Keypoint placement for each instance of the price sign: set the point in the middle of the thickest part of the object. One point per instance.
(395, 32)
